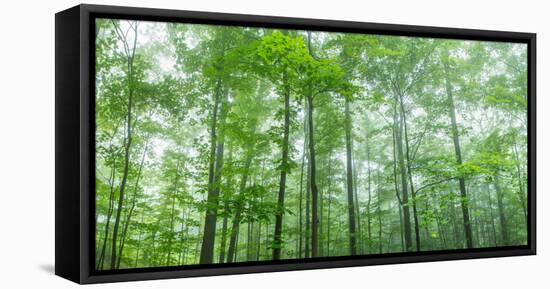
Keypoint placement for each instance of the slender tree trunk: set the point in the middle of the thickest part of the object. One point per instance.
(172, 210)
(308, 194)
(456, 231)
(369, 223)
(404, 187)
(138, 243)
(259, 241)
(127, 149)
(214, 175)
(153, 243)
(225, 222)
(493, 226)
(300, 217)
(130, 53)
(369, 201)
(378, 212)
(440, 229)
(409, 172)
(339, 237)
(477, 236)
(501, 214)
(349, 182)
(329, 193)
(249, 241)
(197, 245)
(267, 240)
(359, 235)
(134, 200)
(321, 209)
(182, 234)
(235, 255)
(277, 237)
(521, 191)
(396, 185)
(458, 155)
(186, 238)
(259, 238)
(224, 237)
(231, 252)
(101, 260)
(313, 184)
(210, 215)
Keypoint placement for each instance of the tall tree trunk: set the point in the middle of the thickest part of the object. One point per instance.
(249, 233)
(300, 245)
(313, 184)
(134, 200)
(369, 183)
(127, 149)
(369, 189)
(501, 214)
(339, 238)
(236, 247)
(186, 238)
(308, 207)
(223, 241)
(395, 182)
(321, 209)
(308, 193)
(197, 245)
(359, 235)
(277, 236)
(267, 240)
(521, 191)
(300, 217)
(409, 172)
(259, 241)
(493, 226)
(153, 242)
(404, 187)
(329, 193)
(231, 251)
(214, 176)
(378, 212)
(130, 53)
(182, 234)
(458, 155)
(456, 232)
(224, 237)
(138, 243)
(259, 238)
(349, 182)
(475, 219)
(440, 227)
(172, 211)
(101, 260)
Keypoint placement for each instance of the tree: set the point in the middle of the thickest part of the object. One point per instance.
(458, 154)
(129, 52)
(283, 57)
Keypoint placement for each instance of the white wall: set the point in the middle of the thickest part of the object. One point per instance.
(27, 143)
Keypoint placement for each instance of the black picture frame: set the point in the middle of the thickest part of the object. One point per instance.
(75, 143)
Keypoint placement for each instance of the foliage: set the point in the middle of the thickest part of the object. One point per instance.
(190, 125)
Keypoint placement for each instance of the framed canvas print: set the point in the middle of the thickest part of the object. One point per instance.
(193, 144)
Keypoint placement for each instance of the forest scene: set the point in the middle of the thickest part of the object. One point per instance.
(222, 144)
